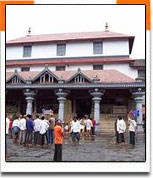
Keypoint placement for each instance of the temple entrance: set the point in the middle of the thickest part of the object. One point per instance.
(83, 107)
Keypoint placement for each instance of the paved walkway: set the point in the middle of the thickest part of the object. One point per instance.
(98, 148)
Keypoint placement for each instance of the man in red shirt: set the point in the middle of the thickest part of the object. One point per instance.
(58, 134)
(93, 126)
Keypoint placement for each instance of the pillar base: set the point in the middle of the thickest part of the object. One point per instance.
(97, 129)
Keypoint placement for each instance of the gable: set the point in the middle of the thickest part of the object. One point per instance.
(79, 77)
(45, 77)
(15, 79)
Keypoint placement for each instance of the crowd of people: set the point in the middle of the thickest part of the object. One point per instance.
(38, 131)
(47, 130)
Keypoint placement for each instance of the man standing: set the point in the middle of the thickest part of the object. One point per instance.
(22, 126)
(43, 130)
(29, 131)
(116, 132)
(88, 127)
(75, 129)
(51, 129)
(132, 129)
(93, 125)
(7, 132)
(121, 127)
(36, 129)
(10, 127)
(16, 129)
(58, 134)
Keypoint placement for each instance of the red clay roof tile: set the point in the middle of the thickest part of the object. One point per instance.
(68, 37)
(105, 76)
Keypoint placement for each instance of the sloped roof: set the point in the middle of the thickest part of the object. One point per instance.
(68, 37)
(105, 76)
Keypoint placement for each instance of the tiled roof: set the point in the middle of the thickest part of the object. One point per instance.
(108, 76)
(105, 76)
(68, 61)
(68, 37)
(24, 75)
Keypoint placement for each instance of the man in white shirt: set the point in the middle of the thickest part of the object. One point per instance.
(121, 127)
(75, 129)
(16, 129)
(22, 126)
(37, 123)
(43, 130)
(88, 126)
(7, 132)
(132, 129)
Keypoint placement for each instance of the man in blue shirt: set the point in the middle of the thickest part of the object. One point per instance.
(29, 130)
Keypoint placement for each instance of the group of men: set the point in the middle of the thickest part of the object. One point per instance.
(27, 131)
(120, 128)
(79, 126)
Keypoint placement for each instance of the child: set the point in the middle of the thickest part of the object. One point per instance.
(66, 129)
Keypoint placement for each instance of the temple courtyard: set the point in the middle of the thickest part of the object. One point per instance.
(98, 148)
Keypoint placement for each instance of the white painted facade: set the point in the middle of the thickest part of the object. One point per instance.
(75, 49)
(123, 68)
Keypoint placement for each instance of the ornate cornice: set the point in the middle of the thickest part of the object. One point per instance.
(78, 86)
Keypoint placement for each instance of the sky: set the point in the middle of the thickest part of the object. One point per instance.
(47, 19)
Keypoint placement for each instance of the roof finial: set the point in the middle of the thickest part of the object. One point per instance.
(79, 69)
(106, 27)
(15, 71)
(46, 66)
(29, 31)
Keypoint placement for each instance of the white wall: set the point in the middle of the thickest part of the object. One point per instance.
(124, 68)
(82, 67)
(116, 47)
(15, 52)
(12, 69)
(77, 49)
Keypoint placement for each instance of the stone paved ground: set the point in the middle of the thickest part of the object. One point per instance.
(98, 148)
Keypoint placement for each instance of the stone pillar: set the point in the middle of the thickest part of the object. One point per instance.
(138, 97)
(29, 98)
(96, 93)
(61, 98)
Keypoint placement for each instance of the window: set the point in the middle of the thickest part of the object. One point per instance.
(98, 67)
(61, 49)
(25, 69)
(60, 68)
(97, 47)
(27, 51)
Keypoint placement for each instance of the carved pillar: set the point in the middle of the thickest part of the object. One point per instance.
(138, 97)
(61, 98)
(96, 93)
(29, 98)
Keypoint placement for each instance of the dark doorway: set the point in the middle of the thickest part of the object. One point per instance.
(83, 107)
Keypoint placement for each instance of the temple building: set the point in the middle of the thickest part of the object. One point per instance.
(85, 73)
